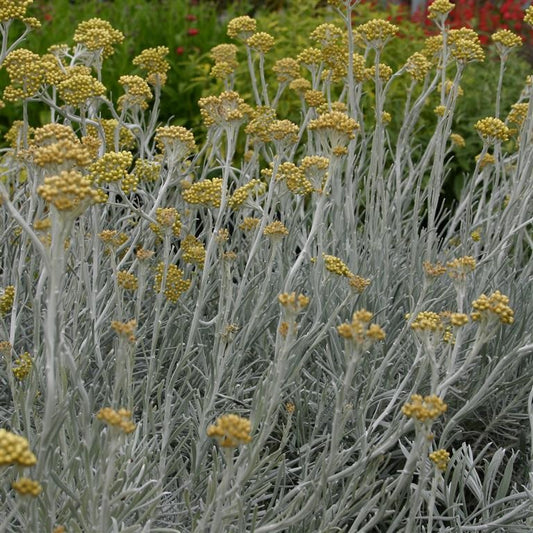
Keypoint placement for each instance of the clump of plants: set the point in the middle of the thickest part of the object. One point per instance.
(277, 328)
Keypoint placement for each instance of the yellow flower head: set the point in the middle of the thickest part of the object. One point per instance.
(230, 431)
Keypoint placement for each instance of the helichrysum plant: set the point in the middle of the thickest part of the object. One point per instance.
(278, 325)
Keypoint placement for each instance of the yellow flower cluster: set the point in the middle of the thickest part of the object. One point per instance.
(143, 255)
(440, 458)
(310, 58)
(495, 306)
(206, 192)
(125, 329)
(147, 170)
(276, 230)
(376, 32)
(261, 42)
(358, 283)
(438, 8)
(112, 238)
(97, 34)
(226, 110)
(242, 194)
(176, 142)
(127, 281)
(295, 179)
(13, 9)
(417, 66)
(138, 93)
(283, 133)
(528, 17)
(506, 39)
(153, 62)
(360, 330)
(492, 130)
(286, 69)
(167, 220)
(315, 169)
(27, 487)
(69, 191)
(457, 140)
(7, 299)
(241, 27)
(15, 450)
(336, 266)
(293, 303)
(78, 89)
(112, 166)
(65, 154)
(384, 72)
(126, 139)
(427, 321)
(424, 409)
(230, 431)
(120, 419)
(488, 159)
(22, 366)
(465, 45)
(193, 251)
(300, 86)
(175, 284)
(26, 74)
(314, 98)
(249, 223)
(261, 120)
(336, 129)
(225, 57)
(518, 113)
(459, 268)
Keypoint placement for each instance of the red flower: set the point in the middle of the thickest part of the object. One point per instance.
(47, 17)
(180, 50)
(191, 32)
(190, 17)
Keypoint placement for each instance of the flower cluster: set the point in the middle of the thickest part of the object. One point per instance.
(22, 366)
(492, 130)
(261, 42)
(15, 450)
(439, 9)
(360, 330)
(27, 487)
(79, 89)
(120, 419)
(225, 57)
(376, 33)
(127, 281)
(153, 62)
(276, 230)
(175, 283)
(112, 166)
(98, 35)
(334, 130)
(6, 299)
(295, 179)
(424, 409)
(125, 329)
(495, 306)
(230, 431)
(206, 192)
(440, 458)
(176, 142)
(293, 303)
(242, 194)
(241, 28)
(69, 191)
(138, 93)
(167, 221)
(193, 251)
(226, 110)
(458, 268)
(26, 74)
